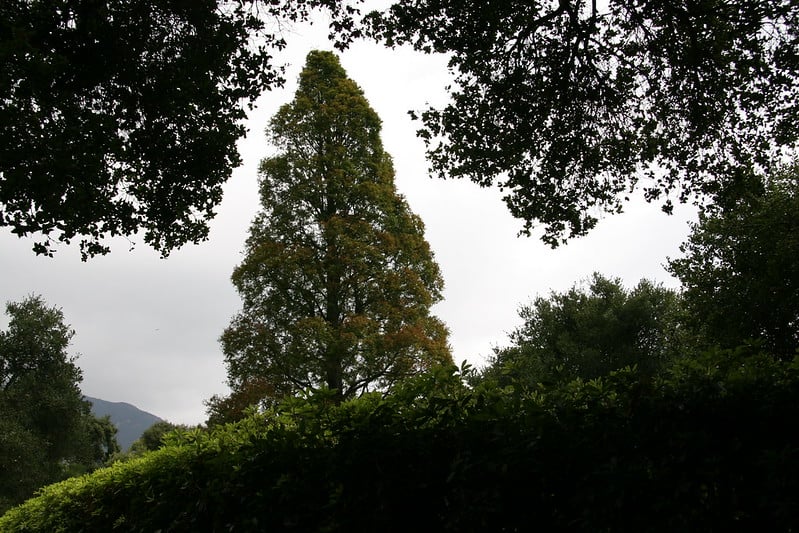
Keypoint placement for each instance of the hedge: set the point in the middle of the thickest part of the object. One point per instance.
(712, 446)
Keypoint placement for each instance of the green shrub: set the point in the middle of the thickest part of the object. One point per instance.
(711, 446)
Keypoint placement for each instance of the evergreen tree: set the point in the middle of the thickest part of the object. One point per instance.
(590, 331)
(47, 431)
(337, 280)
(739, 270)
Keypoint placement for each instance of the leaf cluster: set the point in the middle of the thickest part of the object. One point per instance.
(120, 117)
(568, 105)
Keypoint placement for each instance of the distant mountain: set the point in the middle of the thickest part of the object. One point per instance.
(129, 420)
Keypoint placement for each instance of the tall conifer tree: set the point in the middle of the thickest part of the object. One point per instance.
(337, 280)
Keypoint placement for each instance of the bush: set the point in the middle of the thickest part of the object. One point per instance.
(708, 447)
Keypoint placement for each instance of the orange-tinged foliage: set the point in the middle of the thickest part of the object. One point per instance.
(337, 279)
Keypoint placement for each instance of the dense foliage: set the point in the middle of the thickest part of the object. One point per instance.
(337, 279)
(612, 410)
(586, 332)
(704, 448)
(740, 271)
(153, 437)
(569, 104)
(47, 432)
(251, 393)
(122, 116)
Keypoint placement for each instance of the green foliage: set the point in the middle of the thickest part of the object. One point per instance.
(568, 104)
(122, 116)
(153, 437)
(254, 393)
(100, 435)
(588, 333)
(47, 431)
(337, 279)
(740, 271)
(704, 447)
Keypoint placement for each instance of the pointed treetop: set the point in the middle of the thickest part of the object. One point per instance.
(337, 280)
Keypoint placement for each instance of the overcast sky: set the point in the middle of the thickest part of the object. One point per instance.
(147, 329)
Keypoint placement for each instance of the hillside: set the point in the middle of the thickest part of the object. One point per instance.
(129, 420)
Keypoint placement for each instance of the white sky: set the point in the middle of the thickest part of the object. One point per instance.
(147, 329)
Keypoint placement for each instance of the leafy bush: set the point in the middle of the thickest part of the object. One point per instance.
(708, 447)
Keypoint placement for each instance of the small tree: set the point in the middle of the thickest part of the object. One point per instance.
(588, 333)
(740, 270)
(337, 278)
(153, 437)
(47, 431)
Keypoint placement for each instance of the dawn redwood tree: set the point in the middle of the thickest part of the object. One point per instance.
(740, 269)
(122, 116)
(337, 279)
(569, 105)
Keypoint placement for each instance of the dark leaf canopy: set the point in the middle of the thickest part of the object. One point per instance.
(120, 116)
(569, 105)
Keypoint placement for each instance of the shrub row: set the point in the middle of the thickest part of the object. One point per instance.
(712, 447)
